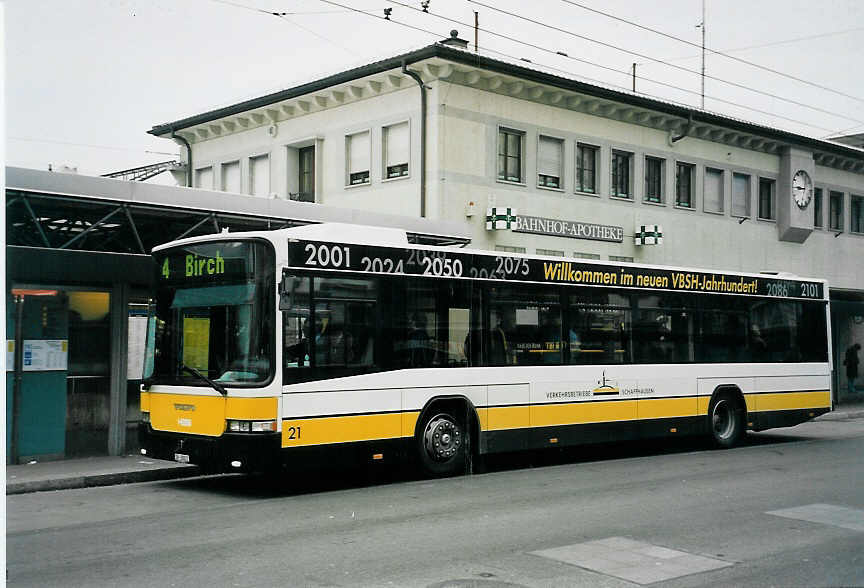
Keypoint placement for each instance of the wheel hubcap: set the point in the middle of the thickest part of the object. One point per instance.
(442, 438)
(723, 419)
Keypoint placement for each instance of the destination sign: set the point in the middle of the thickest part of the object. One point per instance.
(438, 263)
(203, 262)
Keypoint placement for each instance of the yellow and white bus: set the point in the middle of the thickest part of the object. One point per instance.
(342, 341)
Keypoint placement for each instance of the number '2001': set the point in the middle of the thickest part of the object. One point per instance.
(328, 255)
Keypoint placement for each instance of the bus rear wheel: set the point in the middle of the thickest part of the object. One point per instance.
(442, 443)
(726, 419)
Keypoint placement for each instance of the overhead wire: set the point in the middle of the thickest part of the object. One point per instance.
(284, 16)
(649, 58)
(600, 66)
(73, 144)
(552, 68)
(763, 45)
(715, 52)
(282, 13)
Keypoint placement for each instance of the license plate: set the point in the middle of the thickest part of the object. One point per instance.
(181, 458)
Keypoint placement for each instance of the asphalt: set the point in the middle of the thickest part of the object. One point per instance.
(128, 469)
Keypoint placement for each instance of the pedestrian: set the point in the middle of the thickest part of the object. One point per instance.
(851, 363)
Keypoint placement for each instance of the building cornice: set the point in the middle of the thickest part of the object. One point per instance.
(470, 69)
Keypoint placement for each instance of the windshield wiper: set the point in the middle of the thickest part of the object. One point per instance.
(215, 385)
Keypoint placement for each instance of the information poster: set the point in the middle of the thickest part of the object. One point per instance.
(40, 355)
(136, 350)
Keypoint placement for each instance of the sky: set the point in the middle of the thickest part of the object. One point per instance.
(86, 79)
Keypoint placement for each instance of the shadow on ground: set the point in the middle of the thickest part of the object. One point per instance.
(317, 479)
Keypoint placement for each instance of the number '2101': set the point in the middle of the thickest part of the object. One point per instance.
(810, 290)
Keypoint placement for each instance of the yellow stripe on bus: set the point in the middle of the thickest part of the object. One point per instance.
(656, 408)
(409, 422)
(791, 401)
(252, 409)
(344, 429)
(546, 415)
(507, 417)
(145, 402)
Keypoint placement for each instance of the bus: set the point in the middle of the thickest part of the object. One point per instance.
(334, 341)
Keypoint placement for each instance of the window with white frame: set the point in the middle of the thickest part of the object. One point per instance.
(550, 252)
(713, 190)
(586, 168)
(835, 211)
(550, 162)
(653, 179)
(306, 174)
(621, 171)
(300, 169)
(357, 155)
(817, 208)
(259, 176)
(626, 258)
(204, 178)
(766, 199)
(510, 155)
(231, 177)
(856, 214)
(740, 195)
(509, 249)
(684, 184)
(397, 152)
(585, 255)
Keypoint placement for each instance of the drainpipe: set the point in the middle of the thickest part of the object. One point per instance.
(420, 83)
(175, 136)
(684, 132)
(15, 448)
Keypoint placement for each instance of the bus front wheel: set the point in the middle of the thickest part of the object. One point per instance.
(726, 420)
(442, 445)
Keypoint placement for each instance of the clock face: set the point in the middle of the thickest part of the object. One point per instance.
(802, 188)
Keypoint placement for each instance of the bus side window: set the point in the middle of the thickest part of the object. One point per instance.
(345, 322)
(525, 326)
(600, 328)
(295, 329)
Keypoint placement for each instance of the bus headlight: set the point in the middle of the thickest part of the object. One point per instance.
(235, 426)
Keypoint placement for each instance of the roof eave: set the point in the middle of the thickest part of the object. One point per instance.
(501, 67)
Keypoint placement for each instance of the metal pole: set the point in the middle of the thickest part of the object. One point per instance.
(476, 32)
(118, 370)
(634, 77)
(703, 54)
(19, 371)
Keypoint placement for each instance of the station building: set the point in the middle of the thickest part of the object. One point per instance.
(565, 167)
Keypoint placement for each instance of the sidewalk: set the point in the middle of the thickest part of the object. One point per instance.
(91, 471)
(108, 471)
(850, 409)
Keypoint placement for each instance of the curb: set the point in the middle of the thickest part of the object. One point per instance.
(95, 480)
(841, 416)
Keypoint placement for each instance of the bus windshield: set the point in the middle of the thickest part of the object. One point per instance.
(213, 315)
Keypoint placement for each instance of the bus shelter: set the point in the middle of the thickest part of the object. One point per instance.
(78, 280)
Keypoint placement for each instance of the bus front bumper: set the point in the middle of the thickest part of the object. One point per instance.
(226, 453)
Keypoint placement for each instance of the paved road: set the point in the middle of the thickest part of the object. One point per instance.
(644, 510)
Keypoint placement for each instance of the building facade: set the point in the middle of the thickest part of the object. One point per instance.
(583, 170)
